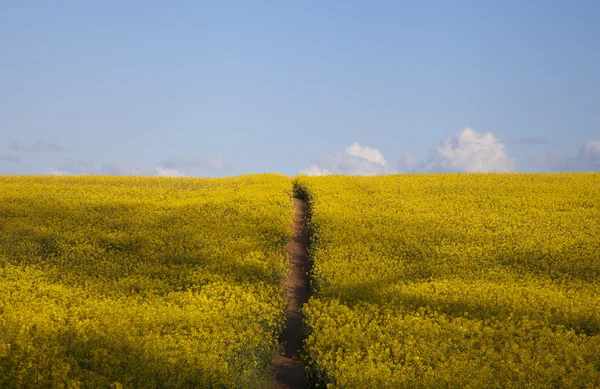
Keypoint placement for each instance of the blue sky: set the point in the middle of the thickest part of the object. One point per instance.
(213, 88)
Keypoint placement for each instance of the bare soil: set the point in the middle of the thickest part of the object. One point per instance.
(287, 367)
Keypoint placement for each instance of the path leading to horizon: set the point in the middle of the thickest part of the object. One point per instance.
(288, 367)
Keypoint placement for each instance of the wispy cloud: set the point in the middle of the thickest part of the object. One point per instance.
(408, 163)
(316, 170)
(120, 167)
(213, 164)
(164, 172)
(532, 141)
(124, 167)
(38, 146)
(587, 159)
(11, 158)
(75, 167)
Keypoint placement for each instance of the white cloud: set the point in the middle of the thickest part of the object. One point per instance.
(372, 155)
(469, 151)
(164, 172)
(314, 170)
(586, 160)
(57, 172)
(590, 152)
(354, 160)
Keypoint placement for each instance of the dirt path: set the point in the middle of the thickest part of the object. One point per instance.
(288, 368)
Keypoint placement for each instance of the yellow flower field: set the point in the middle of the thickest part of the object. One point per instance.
(424, 281)
(478, 280)
(141, 282)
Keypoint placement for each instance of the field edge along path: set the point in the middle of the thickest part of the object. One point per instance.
(288, 367)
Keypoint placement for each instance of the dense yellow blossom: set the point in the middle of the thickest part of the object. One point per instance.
(141, 282)
(418, 281)
(482, 280)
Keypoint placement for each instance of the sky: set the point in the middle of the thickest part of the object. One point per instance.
(221, 88)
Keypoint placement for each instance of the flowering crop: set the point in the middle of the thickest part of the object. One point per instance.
(141, 282)
(483, 280)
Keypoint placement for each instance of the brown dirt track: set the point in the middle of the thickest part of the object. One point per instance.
(287, 367)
